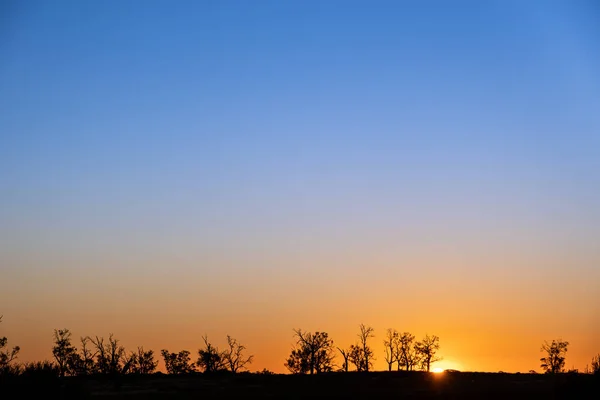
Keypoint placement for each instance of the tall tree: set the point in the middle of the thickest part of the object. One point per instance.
(234, 357)
(427, 349)
(408, 357)
(85, 364)
(313, 353)
(554, 362)
(366, 332)
(390, 345)
(177, 363)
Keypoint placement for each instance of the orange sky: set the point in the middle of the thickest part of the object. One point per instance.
(486, 322)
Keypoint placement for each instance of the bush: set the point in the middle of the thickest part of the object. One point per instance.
(265, 372)
(40, 370)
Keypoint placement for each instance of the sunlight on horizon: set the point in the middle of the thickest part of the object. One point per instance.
(443, 365)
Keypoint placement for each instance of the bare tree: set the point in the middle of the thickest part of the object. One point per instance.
(366, 332)
(234, 356)
(390, 343)
(7, 355)
(554, 362)
(426, 349)
(408, 357)
(313, 353)
(111, 357)
(345, 354)
(142, 362)
(85, 360)
(209, 358)
(177, 363)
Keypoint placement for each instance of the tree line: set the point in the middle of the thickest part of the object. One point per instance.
(315, 352)
(312, 353)
(100, 356)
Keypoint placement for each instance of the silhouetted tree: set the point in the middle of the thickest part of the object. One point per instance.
(209, 358)
(110, 357)
(68, 360)
(297, 362)
(366, 332)
(142, 362)
(408, 357)
(346, 356)
(234, 356)
(313, 353)
(356, 357)
(554, 362)
(65, 354)
(596, 365)
(7, 355)
(390, 343)
(426, 349)
(177, 363)
(84, 360)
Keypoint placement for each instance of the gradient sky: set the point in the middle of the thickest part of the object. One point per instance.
(174, 169)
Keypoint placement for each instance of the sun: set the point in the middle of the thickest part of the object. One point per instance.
(447, 365)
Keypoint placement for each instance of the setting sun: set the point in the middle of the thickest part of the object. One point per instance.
(447, 364)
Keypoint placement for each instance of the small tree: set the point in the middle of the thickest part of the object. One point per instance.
(313, 353)
(111, 358)
(64, 352)
(142, 362)
(356, 355)
(390, 343)
(177, 363)
(209, 358)
(554, 362)
(426, 349)
(234, 356)
(346, 355)
(7, 355)
(596, 365)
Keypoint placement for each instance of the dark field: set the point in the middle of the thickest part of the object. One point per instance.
(373, 385)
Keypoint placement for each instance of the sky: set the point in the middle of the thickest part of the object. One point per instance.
(170, 169)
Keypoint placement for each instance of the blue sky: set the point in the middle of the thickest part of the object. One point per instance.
(111, 104)
(264, 133)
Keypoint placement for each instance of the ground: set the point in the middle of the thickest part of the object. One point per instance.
(372, 385)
